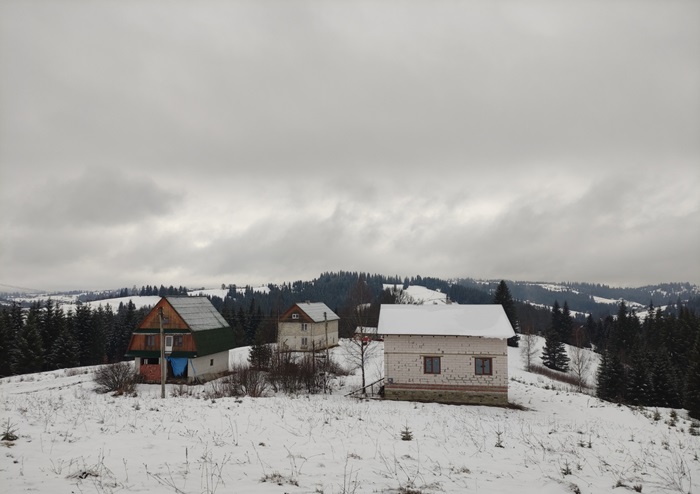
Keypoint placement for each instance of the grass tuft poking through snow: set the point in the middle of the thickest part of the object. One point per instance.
(552, 440)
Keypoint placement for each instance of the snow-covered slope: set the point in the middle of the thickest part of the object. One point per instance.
(71, 439)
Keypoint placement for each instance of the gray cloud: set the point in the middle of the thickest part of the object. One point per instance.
(239, 143)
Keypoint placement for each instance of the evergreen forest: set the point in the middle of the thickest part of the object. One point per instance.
(654, 361)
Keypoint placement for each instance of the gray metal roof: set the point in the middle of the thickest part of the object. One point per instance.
(197, 312)
(315, 311)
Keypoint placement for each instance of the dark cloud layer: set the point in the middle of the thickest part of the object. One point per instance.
(208, 143)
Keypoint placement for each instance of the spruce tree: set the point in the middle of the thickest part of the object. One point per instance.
(65, 352)
(610, 377)
(260, 353)
(638, 383)
(692, 382)
(29, 349)
(7, 343)
(566, 325)
(503, 297)
(554, 353)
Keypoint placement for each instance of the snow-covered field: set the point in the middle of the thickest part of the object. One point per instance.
(73, 440)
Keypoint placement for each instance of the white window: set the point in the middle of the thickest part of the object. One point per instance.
(304, 326)
(304, 342)
(295, 316)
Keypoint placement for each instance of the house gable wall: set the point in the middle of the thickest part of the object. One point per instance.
(290, 335)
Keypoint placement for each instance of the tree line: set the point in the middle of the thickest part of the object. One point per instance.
(44, 337)
(654, 361)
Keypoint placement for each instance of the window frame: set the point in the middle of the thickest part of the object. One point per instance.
(432, 359)
(178, 340)
(479, 369)
(150, 341)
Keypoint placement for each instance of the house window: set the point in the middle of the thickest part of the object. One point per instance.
(304, 326)
(211, 362)
(150, 340)
(304, 342)
(177, 340)
(295, 316)
(483, 366)
(431, 365)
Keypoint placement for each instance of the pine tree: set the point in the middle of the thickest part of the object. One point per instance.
(7, 343)
(566, 324)
(29, 349)
(554, 353)
(65, 352)
(260, 354)
(692, 382)
(503, 297)
(610, 377)
(638, 384)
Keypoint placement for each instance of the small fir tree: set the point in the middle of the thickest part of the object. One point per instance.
(554, 353)
(260, 354)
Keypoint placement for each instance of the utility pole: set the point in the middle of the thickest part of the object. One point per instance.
(327, 363)
(325, 321)
(162, 354)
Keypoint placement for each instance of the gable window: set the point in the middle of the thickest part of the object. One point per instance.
(295, 316)
(431, 365)
(483, 366)
(150, 340)
(177, 340)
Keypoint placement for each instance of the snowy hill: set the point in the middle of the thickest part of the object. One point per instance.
(71, 439)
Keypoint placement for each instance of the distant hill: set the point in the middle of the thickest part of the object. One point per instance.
(333, 288)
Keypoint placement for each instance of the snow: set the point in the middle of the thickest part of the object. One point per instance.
(489, 321)
(420, 294)
(138, 300)
(218, 292)
(71, 439)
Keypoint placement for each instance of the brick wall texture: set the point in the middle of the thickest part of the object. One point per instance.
(457, 381)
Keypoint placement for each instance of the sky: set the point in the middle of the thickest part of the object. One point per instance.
(201, 143)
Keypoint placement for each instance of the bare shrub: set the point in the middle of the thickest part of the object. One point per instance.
(119, 378)
(248, 381)
(557, 376)
(284, 375)
(292, 374)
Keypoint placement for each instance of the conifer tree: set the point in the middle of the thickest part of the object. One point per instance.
(692, 382)
(260, 353)
(610, 377)
(30, 354)
(503, 297)
(566, 324)
(7, 343)
(554, 353)
(638, 383)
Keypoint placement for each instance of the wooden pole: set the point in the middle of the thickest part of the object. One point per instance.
(162, 354)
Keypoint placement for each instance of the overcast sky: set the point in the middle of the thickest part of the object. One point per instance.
(200, 143)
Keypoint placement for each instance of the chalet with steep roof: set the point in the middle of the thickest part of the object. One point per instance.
(200, 337)
(446, 353)
(307, 327)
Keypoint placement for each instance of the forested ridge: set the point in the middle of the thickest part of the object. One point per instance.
(654, 361)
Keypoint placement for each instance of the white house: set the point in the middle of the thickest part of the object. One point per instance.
(307, 327)
(446, 353)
